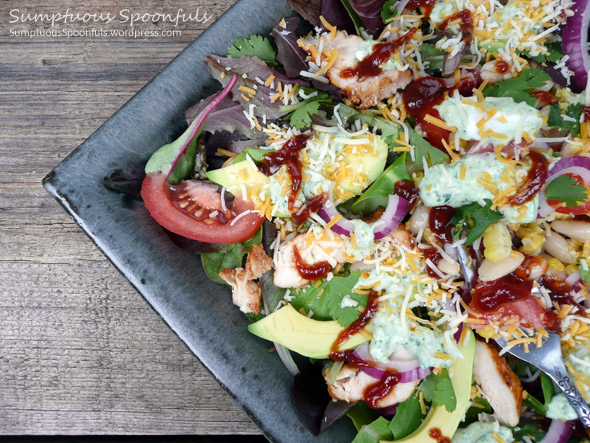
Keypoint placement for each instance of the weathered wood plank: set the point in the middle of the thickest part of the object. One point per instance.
(80, 350)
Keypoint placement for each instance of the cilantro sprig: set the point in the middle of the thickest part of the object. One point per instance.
(255, 45)
(517, 88)
(475, 219)
(301, 114)
(568, 120)
(438, 389)
(567, 190)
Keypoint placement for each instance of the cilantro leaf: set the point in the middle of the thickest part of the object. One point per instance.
(583, 273)
(325, 300)
(388, 12)
(301, 112)
(475, 219)
(517, 88)
(567, 190)
(571, 122)
(423, 149)
(257, 46)
(431, 54)
(407, 418)
(555, 54)
(374, 432)
(230, 258)
(438, 389)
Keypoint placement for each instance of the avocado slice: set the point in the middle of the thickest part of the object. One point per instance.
(233, 176)
(301, 334)
(371, 165)
(438, 417)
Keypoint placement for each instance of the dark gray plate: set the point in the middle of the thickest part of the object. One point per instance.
(171, 279)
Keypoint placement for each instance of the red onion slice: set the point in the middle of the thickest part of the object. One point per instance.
(409, 369)
(328, 212)
(558, 432)
(575, 165)
(574, 41)
(397, 208)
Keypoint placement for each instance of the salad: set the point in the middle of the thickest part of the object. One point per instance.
(349, 158)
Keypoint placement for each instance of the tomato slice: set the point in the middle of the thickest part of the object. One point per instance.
(531, 313)
(582, 209)
(193, 209)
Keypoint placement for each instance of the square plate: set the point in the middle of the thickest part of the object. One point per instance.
(199, 311)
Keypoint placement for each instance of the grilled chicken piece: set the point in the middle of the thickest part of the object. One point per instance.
(366, 92)
(246, 293)
(351, 384)
(500, 386)
(286, 274)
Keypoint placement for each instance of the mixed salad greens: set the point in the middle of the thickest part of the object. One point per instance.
(332, 180)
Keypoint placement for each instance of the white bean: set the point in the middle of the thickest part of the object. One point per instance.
(449, 267)
(578, 230)
(489, 270)
(558, 247)
(419, 219)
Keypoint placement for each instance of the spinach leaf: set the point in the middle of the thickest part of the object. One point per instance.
(361, 415)
(378, 193)
(374, 432)
(325, 300)
(547, 387)
(230, 258)
(423, 149)
(254, 153)
(407, 418)
(532, 402)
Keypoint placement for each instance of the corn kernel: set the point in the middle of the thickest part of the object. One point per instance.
(497, 242)
(486, 332)
(555, 264)
(570, 269)
(531, 244)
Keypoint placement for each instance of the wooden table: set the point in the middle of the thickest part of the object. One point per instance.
(81, 352)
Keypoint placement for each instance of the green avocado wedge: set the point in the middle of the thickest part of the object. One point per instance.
(438, 417)
(233, 176)
(306, 336)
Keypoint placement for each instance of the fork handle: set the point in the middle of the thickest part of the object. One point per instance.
(561, 377)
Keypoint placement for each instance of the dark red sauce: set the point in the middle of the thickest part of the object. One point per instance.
(312, 205)
(374, 392)
(488, 296)
(560, 292)
(435, 258)
(358, 324)
(534, 181)
(440, 222)
(466, 24)
(530, 262)
(436, 434)
(423, 94)
(370, 66)
(501, 66)
(426, 5)
(586, 112)
(311, 272)
(544, 98)
(288, 155)
(407, 189)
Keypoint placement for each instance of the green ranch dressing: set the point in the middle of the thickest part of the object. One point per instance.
(442, 185)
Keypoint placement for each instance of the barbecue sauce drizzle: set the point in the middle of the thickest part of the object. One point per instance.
(376, 391)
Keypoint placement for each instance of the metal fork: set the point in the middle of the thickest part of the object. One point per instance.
(547, 358)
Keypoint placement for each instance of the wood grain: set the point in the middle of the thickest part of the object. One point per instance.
(81, 352)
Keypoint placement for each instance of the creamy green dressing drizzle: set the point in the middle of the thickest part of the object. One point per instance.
(482, 433)
(442, 185)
